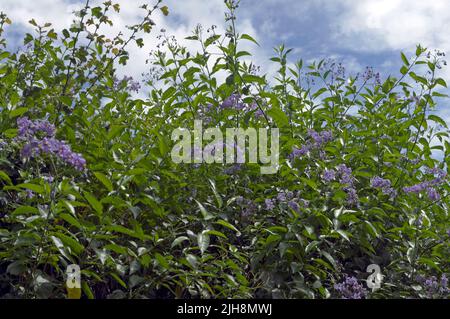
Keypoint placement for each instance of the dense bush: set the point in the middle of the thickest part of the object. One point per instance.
(87, 178)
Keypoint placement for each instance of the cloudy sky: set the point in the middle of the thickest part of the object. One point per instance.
(359, 33)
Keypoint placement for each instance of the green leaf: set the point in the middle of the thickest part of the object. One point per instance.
(227, 225)
(33, 187)
(104, 179)
(95, 204)
(249, 38)
(205, 214)
(69, 206)
(441, 82)
(165, 10)
(279, 117)
(23, 210)
(216, 233)
(18, 112)
(5, 177)
(179, 240)
(404, 58)
(87, 290)
(162, 261)
(71, 220)
(203, 241)
(70, 242)
(249, 78)
(330, 259)
(216, 194)
(120, 281)
(211, 39)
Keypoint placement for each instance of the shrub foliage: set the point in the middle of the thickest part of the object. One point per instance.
(86, 175)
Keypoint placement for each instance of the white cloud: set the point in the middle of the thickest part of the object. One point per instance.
(378, 25)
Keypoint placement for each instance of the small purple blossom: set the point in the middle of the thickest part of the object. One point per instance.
(329, 175)
(29, 194)
(294, 206)
(28, 128)
(436, 288)
(233, 170)
(352, 196)
(259, 114)
(379, 182)
(35, 146)
(281, 197)
(315, 143)
(345, 174)
(233, 101)
(385, 185)
(304, 202)
(350, 289)
(269, 204)
(416, 188)
(130, 83)
(433, 194)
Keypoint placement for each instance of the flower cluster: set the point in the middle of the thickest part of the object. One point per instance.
(233, 102)
(346, 178)
(350, 289)
(370, 74)
(429, 186)
(435, 287)
(39, 137)
(247, 205)
(131, 84)
(329, 175)
(316, 141)
(290, 198)
(28, 128)
(385, 185)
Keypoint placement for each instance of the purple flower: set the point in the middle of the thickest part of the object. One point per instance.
(269, 204)
(416, 188)
(294, 206)
(48, 144)
(444, 281)
(281, 197)
(304, 202)
(352, 196)
(130, 83)
(28, 128)
(259, 114)
(233, 101)
(315, 136)
(350, 289)
(384, 184)
(29, 194)
(435, 287)
(327, 136)
(345, 173)
(299, 152)
(379, 182)
(389, 191)
(232, 170)
(433, 194)
(329, 175)
(318, 139)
